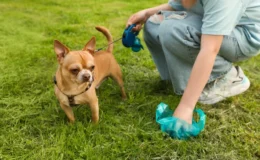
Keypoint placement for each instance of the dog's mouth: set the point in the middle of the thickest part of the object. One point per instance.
(91, 79)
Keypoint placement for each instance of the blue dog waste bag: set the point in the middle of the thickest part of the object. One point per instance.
(176, 127)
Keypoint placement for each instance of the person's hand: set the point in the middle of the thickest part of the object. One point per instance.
(139, 19)
(184, 112)
(180, 125)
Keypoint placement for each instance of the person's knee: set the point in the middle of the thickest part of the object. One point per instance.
(146, 31)
(150, 32)
(177, 33)
(171, 33)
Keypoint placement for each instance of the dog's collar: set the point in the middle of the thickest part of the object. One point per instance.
(71, 97)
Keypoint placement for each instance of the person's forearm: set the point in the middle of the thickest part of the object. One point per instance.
(198, 78)
(151, 11)
(210, 46)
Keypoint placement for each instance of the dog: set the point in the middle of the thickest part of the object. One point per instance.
(81, 72)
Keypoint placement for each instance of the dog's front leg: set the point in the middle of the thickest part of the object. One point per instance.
(69, 112)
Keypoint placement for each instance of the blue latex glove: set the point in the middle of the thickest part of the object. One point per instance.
(176, 127)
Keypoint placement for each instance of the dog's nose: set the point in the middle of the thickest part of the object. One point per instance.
(86, 77)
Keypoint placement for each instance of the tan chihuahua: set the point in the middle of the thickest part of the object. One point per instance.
(81, 72)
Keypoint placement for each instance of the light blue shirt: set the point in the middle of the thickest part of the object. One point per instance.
(221, 17)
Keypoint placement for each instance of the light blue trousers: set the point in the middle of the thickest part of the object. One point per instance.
(174, 44)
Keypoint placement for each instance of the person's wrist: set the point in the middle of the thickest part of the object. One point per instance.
(147, 13)
(186, 106)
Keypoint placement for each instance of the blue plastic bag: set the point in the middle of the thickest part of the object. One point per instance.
(176, 127)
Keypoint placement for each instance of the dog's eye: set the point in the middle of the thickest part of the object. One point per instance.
(74, 71)
(92, 68)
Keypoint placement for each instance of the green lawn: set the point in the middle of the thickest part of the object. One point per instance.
(33, 126)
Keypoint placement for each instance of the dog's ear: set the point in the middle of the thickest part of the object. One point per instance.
(90, 46)
(61, 50)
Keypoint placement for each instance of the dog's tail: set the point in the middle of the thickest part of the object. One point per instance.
(108, 35)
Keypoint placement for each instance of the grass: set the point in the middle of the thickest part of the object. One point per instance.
(33, 126)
